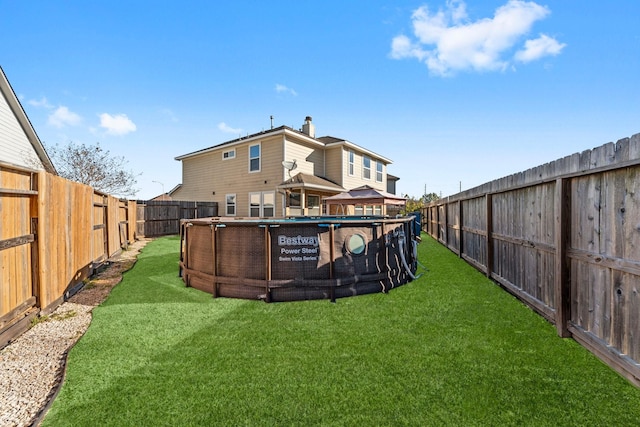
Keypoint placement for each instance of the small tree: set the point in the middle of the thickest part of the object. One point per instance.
(414, 205)
(94, 166)
(431, 197)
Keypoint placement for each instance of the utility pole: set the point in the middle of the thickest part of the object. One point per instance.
(163, 193)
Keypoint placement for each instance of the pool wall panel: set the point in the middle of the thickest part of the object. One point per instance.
(296, 260)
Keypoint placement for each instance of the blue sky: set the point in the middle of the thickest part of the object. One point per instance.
(455, 93)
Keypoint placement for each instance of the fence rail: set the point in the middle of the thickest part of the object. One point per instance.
(53, 234)
(563, 237)
(162, 217)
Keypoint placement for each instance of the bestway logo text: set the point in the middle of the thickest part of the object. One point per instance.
(297, 240)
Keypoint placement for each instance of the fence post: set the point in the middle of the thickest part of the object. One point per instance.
(214, 260)
(35, 262)
(489, 238)
(105, 230)
(460, 232)
(445, 231)
(562, 285)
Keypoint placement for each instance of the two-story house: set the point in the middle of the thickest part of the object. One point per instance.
(279, 172)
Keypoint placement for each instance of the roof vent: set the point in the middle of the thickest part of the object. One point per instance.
(309, 127)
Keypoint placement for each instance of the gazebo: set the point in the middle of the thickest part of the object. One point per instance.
(364, 200)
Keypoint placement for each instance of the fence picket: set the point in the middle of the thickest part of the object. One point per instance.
(563, 237)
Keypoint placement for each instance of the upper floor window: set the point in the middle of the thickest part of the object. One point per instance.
(230, 154)
(366, 167)
(378, 171)
(352, 163)
(230, 204)
(254, 158)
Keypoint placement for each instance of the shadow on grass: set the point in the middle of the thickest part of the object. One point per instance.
(448, 349)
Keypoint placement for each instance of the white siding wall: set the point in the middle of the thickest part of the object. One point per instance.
(14, 145)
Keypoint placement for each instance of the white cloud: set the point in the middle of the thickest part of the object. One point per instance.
(447, 41)
(538, 48)
(62, 117)
(168, 113)
(282, 88)
(42, 102)
(118, 125)
(228, 129)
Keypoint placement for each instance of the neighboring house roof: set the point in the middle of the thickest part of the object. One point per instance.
(304, 180)
(392, 177)
(365, 195)
(7, 91)
(162, 197)
(174, 189)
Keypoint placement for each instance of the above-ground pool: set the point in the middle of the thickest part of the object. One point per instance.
(299, 258)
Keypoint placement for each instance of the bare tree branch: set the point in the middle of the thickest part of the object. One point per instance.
(94, 166)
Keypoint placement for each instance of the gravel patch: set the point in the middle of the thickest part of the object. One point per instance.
(32, 366)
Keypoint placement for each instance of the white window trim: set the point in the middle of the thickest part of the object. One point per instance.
(259, 158)
(261, 205)
(381, 172)
(366, 168)
(226, 204)
(319, 206)
(231, 154)
(351, 163)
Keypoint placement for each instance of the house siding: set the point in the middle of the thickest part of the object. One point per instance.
(206, 174)
(335, 165)
(15, 147)
(357, 179)
(309, 159)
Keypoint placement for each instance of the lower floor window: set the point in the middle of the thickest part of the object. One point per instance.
(262, 204)
(368, 210)
(313, 205)
(294, 203)
(230, 205)
(268, 204)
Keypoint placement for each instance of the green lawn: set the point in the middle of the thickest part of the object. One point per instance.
(450, 348)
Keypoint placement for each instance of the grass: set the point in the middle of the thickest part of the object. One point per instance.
(55, 316)
(451, 348)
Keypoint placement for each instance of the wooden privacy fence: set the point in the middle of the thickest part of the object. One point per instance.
(162, 217)
(53, 234)
(564, 238)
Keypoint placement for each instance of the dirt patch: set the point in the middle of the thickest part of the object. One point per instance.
(32, 367)
(98, 286)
